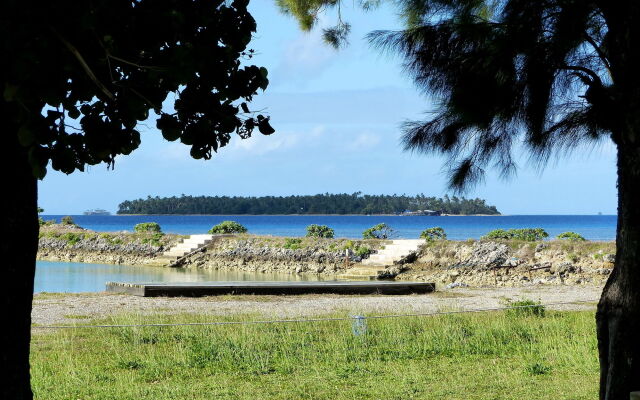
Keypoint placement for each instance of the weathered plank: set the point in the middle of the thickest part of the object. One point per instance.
(191, 289)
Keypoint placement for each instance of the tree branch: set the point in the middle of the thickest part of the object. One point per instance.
(84, 65)
(598, 50)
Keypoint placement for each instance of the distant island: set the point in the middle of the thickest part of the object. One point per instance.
(340, 204)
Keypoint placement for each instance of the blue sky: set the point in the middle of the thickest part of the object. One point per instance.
(337, 116)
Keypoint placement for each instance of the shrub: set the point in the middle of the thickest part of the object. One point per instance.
(67, 220)
(497, 234)
(319, 231)
(576, 237)
(433, 234)
(147, 227)
(525, 234)
(154, 239)
(380, 231)
(362, 251)
(71, 238)
(292, 243)
(227, 227)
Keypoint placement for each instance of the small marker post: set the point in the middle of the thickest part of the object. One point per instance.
(359, 326)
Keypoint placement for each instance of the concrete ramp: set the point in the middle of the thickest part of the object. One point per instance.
(188, 245)
(375, 266)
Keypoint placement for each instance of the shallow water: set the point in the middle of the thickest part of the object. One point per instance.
(592, 227)
(72, 277)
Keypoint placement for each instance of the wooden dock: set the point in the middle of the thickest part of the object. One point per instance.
(191, 289)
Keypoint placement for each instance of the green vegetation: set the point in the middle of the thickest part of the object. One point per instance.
(571, 236)
(320, 231)
(433, 234)
(534, 355)
(147, 227)
(292, 243)
(380, 231)
(154, 239)
(356, 203)
(226, 227)
(359, 249)
(67, 220)
(526, 307)
(525, 234)
(71, 238)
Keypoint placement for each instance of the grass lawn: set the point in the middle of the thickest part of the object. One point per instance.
(493, 355)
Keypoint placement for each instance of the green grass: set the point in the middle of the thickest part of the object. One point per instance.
(472, 356)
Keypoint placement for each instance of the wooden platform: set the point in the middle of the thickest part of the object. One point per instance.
(191, 289)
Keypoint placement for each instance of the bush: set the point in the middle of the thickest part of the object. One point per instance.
(154, 240)
(227, 227)
(497, 234)
(576, 237)
(67, 220)
(380, 231)
(71, 238)
(362, 251)
(525, 234)
(433, 234)
(292, 243)
(147, 227)
(319, 231)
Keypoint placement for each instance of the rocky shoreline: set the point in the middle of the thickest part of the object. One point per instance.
(512, 263)
(447, 263)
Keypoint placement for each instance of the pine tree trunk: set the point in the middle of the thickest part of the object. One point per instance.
(618, 316)
(19, 246)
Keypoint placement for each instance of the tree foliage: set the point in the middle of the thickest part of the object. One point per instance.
(433, 234)
(320, 231)
(355, 203)
(380, 231)
(572, 236)
(525, 234)
(152, 227)
(227, 227)
(78, 77)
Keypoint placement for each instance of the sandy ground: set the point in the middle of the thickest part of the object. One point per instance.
(56, 309)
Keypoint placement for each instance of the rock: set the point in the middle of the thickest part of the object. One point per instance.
(456, 285)
(610, 258)
(603, 271)
(512, 262)
(562, 268)
(540, 247)
(485, 255)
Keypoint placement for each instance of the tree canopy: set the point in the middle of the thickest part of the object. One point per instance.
(79, 77)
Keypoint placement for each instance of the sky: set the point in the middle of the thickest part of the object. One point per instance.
(337, 116)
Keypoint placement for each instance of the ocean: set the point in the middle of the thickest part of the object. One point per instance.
(592, 227)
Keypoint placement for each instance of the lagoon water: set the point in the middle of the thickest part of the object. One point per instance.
(69, 277)
(592, 227)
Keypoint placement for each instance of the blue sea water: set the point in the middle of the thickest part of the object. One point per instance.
(592, 227)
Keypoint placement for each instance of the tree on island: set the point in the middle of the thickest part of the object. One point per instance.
(78, 77)
(553, 75)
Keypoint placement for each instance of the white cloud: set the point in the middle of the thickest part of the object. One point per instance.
(364, 140)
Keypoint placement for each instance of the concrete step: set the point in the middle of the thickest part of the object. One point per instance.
(188, 245)
(393, 252)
